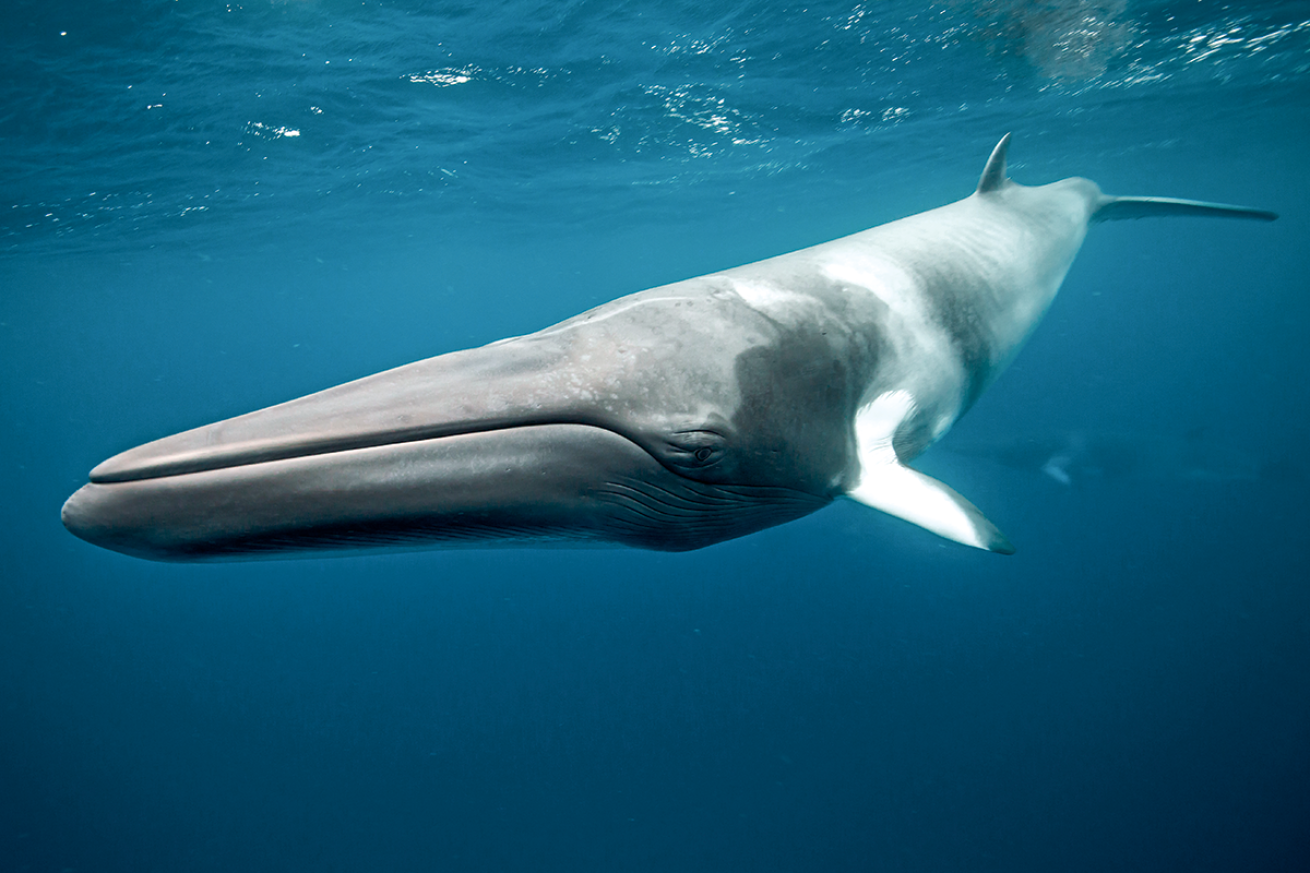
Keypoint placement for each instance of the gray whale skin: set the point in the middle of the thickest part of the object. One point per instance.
(669, 419)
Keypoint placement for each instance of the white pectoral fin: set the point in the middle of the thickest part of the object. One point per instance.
(897, 490)
(888, 485)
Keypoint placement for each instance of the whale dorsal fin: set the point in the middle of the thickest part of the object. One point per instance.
(888, 485)
(993, 175)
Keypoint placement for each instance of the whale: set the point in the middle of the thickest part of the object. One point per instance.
(670, 419)
(1091, 458)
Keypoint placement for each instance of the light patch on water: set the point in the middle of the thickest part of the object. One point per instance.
(258, 128)
(444, 78)
(1216, 49)
(1238, 38)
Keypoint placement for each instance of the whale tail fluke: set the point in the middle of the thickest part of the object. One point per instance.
(1116, 208)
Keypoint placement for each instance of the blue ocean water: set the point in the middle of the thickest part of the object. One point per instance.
(211, 207)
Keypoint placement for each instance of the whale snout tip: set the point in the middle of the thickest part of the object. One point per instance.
(82, 515)
(70, 514)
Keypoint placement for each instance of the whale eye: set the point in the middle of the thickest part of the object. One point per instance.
(693, 450)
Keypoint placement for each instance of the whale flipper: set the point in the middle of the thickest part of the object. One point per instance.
(906, 493)
(888, 485)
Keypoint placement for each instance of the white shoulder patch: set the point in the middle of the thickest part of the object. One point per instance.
(891, 487)
(762, 296)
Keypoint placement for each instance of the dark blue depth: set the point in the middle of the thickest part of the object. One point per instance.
(208, 208)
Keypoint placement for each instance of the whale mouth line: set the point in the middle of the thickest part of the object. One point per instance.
(122, 468)
(529, 485)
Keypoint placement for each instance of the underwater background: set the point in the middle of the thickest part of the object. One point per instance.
(207, 207)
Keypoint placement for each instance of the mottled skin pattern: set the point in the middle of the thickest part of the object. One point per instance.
(713, 391)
